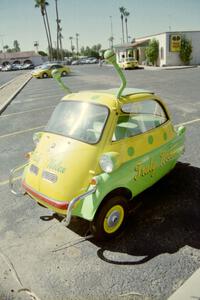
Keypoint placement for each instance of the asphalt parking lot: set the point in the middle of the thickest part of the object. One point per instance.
(160, 248)
(7, 76)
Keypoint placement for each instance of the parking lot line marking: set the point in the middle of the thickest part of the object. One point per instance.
(27, 111)
(20, 132)
(7, 181)
(188, 122)
(4, 182)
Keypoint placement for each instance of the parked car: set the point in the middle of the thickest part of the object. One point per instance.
(98, 151)
(16, 67)
(6, 68)
(129, 63)
(44, 71)
(28, 66)
(75, 62)
(92, 60)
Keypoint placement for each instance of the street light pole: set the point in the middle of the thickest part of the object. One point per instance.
(36, 44)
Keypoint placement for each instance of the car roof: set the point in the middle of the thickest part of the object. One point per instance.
(108, 97)
(127, 91)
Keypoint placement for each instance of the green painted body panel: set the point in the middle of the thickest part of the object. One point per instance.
(135, 175)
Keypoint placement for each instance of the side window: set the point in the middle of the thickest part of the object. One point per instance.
(55, 67)
(139, 117)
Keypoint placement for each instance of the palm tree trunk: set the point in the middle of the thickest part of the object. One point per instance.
(126, 30)
(57, 20)
(122, 28)
(50, 40)
(61, 49)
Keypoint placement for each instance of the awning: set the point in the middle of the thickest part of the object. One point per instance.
(142, 43)
(128, 46)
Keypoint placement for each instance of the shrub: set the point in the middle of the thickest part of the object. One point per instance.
(185, 50)
(152, 51)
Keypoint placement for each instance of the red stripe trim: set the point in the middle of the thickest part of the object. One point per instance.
(57, 204)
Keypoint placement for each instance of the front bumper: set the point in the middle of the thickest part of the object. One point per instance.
(44, 199)
(61, 206)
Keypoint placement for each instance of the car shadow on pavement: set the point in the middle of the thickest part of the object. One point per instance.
(167, 219)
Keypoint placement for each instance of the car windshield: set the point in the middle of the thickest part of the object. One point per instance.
(44, 67)
(130, 59)
(79, 120)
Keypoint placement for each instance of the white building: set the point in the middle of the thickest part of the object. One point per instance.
(169, 48)
(29, 57)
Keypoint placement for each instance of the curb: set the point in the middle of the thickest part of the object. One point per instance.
(179, 68)
(169, 68)
(8, 101)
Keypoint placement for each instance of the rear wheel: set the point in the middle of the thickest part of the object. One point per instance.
(110, 219)
(64, 73)
(44, 75)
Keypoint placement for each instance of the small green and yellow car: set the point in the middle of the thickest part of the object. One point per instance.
(129, 63)
(98, 151)
(45, 71)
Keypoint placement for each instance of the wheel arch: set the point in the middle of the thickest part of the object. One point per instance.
(123, 191)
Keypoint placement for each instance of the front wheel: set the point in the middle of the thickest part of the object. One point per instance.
(110, 219)
(44, 75)
(64, 73)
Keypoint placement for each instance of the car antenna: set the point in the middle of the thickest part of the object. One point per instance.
(57, 76)
(110, 56)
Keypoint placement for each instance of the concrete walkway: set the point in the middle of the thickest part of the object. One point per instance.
(152, 68)
(9, 90)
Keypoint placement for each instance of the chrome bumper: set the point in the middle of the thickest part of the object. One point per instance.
(21, 191)
(67, 219)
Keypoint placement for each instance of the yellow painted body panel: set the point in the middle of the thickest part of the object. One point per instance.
(69, 160)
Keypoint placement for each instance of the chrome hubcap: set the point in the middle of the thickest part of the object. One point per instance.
(113, 218)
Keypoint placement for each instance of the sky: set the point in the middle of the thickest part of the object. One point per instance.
(21, 21)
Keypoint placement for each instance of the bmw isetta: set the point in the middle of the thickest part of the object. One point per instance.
(98, 151)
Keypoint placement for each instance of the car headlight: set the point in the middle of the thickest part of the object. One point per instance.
(109, 162)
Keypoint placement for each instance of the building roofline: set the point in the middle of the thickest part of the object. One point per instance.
(170, 32)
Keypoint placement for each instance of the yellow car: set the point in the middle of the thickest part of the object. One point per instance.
(98, 151)
(129, 63)
(45, 71)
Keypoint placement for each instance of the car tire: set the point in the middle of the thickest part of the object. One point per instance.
(64, 73)
(110, 218)
(44, 75)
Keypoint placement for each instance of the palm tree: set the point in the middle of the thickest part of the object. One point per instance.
(60, 37)
(42, 5)
(58, 27)
(126, 14)
(122, 11)
(77, 48)
(72, 47)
